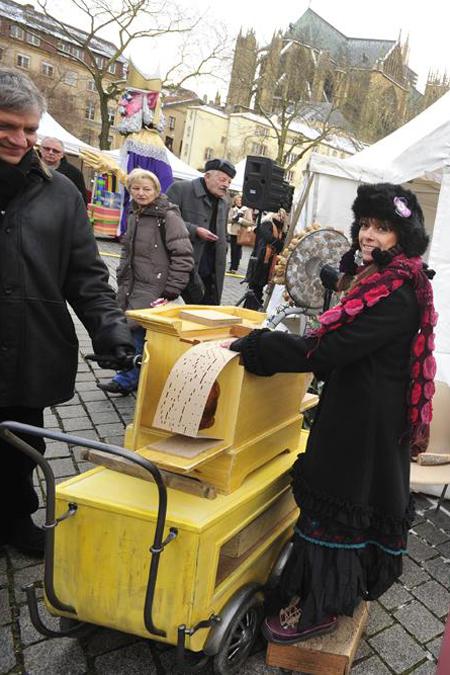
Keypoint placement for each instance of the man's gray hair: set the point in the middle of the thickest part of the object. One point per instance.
(53, 138)
(18, 93)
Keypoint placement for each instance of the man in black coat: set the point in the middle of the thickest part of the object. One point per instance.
(48, 258)
(204, 208)
(52, 153)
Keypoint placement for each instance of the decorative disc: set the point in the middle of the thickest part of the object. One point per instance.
(320, 247)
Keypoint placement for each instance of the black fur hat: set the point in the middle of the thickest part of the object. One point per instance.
(397, 206)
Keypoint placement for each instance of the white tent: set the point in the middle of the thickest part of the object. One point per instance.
(50, 127)
(418, 155)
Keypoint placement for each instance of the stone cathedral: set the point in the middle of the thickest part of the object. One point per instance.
(367, 80)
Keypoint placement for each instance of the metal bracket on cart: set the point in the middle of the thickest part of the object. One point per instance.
(183, 631)
(51, 522)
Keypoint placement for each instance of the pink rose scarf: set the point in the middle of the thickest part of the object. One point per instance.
(369, 290)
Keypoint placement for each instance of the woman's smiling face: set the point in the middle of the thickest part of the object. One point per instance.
(375, 233)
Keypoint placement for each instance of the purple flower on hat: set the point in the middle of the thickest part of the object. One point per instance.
(401, 207)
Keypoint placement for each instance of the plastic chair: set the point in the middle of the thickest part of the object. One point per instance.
(437, 474)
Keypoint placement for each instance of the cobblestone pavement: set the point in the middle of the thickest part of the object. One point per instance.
(405, 626)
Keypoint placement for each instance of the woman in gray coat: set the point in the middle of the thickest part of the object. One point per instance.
(155, 262)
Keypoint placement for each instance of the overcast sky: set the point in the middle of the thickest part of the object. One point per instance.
(426, 23)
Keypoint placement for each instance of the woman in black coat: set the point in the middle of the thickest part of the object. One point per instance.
(374, 351)
(268, 243)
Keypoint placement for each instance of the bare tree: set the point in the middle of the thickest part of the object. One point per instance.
(126, 21)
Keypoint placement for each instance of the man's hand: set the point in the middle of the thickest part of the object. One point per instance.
(206, 235)
(121, 358)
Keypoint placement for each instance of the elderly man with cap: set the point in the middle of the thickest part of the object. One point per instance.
(52, 154)
(204, 208)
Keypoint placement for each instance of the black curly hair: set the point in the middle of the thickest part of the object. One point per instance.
(377, 201)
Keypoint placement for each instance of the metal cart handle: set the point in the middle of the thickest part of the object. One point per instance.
(6, 431)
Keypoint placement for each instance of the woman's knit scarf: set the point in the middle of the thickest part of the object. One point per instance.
(372, 285)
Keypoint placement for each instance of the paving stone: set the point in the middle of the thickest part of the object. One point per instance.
(364, 650)
(419, 550)
(434, 596)
(68, 411)
(5, 610)
(99, 406)
(90, 434)
(20, 561)
(397, 648)
(422, 502)
(444, 549)
(104, 640)
(75, 400)
(7, 657)
(62, 467)
(3, 566)
(427, 668)
(439, 569)
(413, 575)
(105, 418)
(431, 533)
(372, 666)
(83, 387)
(115, 440)
(109, 430)
(57, 450)
(77, 424)
(50, 420)
(28, 633)
(441, 519)
(434, 646)
(55, 657)
(256, 665)
(85, 376)
(378, 619)
(419, 621)
(94, 395)
(26, 576)
(395, 597)
(133, 660)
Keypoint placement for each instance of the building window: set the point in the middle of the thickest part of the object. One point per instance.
(223, 139)
(100, 61)
(169, 142)
(261, 131)
(77, 53)
(112, 68)
(259, 149)
(33, 39)
(47, 69)
(91, 85)
(64, 47)
(171, 122)
(291, 158)
(111, 115)
(1, 53)
(188, 131)
(17, 32)
(86, 136)
(209, 153)
(289, 176)
(23, 61)
(70, 77)
(89, 113)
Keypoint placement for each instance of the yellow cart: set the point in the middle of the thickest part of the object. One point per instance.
(186, 556)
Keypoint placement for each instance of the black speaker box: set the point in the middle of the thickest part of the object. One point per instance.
(263, 187)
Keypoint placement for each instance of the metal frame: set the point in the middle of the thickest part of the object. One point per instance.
(6, 431)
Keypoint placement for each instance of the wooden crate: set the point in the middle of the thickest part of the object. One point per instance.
(330, 654)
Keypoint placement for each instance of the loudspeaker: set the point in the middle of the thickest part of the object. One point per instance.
(263, 187)
(288, 196)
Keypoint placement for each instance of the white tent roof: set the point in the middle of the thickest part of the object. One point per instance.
(420, 147)
(50, 127)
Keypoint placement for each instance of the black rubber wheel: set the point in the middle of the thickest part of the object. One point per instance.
(240, 638)
(80, 630)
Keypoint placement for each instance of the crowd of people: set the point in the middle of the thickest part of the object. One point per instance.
(352, 483)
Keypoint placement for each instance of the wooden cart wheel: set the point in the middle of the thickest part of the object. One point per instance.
(239, 638)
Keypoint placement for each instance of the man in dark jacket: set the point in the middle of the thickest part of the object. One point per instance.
(48, 258)
(204, 208)
(52, 153)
